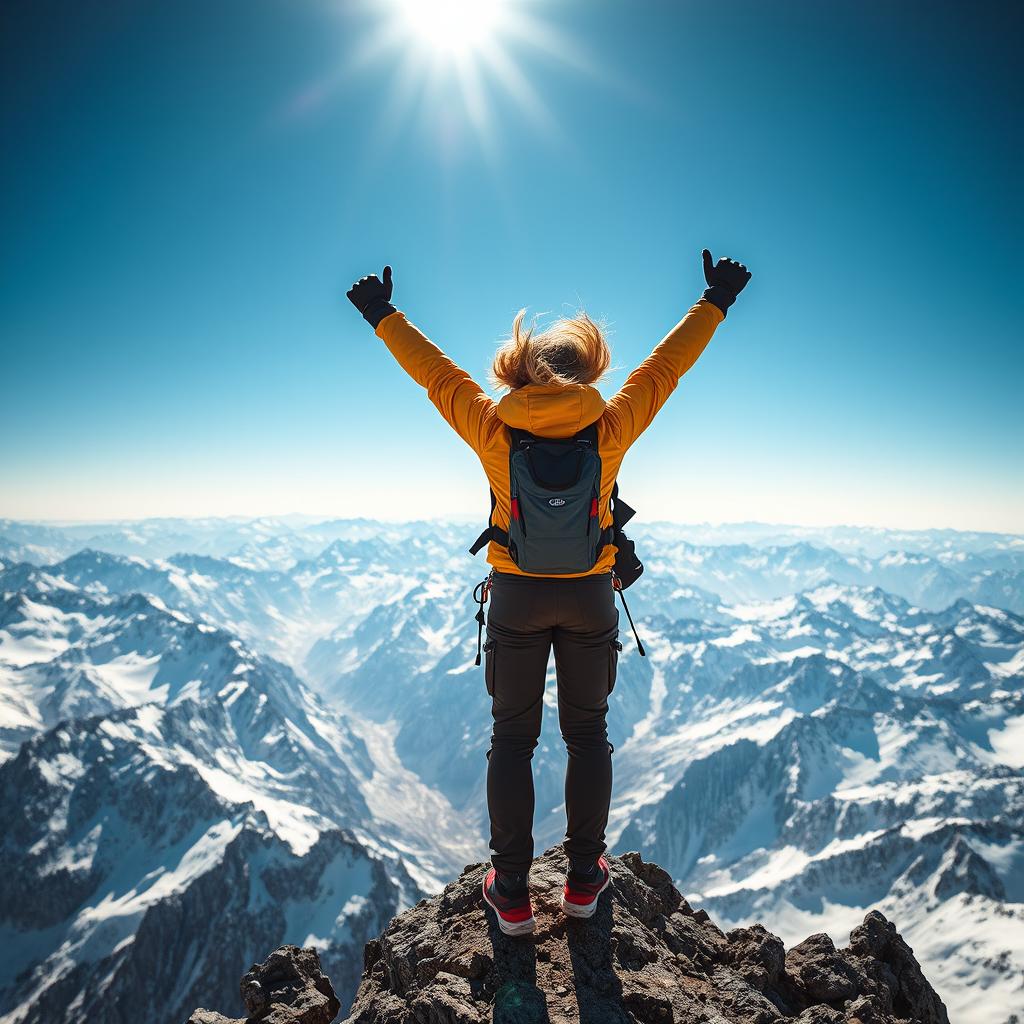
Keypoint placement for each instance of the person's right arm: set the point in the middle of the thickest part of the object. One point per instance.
(630, 412)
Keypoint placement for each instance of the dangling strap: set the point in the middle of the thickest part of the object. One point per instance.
(495, 533)
(491, 532)
(480, 592)
(617, 584)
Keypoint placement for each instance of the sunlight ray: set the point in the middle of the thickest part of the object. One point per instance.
(474, 98)
(523, 27)
(519, 87)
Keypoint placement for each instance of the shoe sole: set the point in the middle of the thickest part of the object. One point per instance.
(584, 909)
(508, 927)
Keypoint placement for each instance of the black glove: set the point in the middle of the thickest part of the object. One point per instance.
(726, 279)
(372, 297)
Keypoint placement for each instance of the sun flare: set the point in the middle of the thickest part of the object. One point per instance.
(452, 63)
(452, 26)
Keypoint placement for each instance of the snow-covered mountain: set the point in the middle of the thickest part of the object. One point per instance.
(836, 750)
(828, 721)
(905, 802)
(738, 562)
(168, 787)
(263, 543)
(932, 578)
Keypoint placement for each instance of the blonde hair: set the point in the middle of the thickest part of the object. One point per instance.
(572, 350)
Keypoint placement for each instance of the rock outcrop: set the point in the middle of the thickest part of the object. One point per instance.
(646, 957)
(287, 988)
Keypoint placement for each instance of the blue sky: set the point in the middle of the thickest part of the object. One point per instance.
(189, 188)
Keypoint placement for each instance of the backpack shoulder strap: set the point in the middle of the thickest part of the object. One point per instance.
(491, 532)
(516, 436)
(621, 512)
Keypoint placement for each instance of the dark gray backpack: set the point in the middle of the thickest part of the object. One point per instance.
(554, 525)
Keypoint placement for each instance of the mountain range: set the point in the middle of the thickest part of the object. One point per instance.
(274, 730)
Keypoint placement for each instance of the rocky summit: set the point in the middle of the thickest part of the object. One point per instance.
(646, 956)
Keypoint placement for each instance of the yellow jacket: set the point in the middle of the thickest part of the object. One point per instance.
(550, 410)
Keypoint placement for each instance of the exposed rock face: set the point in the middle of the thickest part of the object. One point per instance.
(646, 956)
(287, 988)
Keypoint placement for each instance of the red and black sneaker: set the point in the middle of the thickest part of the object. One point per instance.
(581, 892)
(514, 912)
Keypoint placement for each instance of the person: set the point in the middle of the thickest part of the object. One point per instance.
(549, 380)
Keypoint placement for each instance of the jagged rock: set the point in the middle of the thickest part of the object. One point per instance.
(646, 957)
(758, 955)
(821, 971)
(212, 1017)
(891, 964)
(287, 988)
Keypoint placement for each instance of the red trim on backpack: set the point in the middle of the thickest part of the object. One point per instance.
(515, 508)
(593, 508)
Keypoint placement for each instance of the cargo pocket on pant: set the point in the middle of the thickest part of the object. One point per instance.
(490, 652)
(614, 646)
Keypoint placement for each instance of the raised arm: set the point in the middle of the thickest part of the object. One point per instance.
(630, 412)
(458, 398)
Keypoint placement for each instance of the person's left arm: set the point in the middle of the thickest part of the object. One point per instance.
(457, 397)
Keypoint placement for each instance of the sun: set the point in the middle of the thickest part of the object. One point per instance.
(450, 65)
(455, 27)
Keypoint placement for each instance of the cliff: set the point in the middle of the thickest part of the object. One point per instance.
(647, 957)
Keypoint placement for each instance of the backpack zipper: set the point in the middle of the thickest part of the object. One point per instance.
(516, 512)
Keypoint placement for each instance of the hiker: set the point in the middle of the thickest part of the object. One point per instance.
(551, 449)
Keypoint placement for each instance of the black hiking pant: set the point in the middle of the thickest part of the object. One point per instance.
(527, 617)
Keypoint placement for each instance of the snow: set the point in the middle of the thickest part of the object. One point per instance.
(130, 677)
(435, 839)
(149, 716)
(763, 610)
(60, 768)
(742, 635)
(42, 636)
(785, 862)
(194, 859)
(321, 920)
(1008, 742)
(957, 941)
(297, 825)
(108, 919)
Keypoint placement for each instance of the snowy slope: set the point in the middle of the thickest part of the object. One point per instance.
(158, 761)
(133, 889)
(67, 654)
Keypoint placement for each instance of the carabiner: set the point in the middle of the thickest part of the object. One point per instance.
(483, 588)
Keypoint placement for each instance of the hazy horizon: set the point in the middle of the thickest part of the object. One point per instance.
(639, 524)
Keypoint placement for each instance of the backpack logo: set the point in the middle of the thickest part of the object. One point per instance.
(556, 502)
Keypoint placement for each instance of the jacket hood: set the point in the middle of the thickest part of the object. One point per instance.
(551, 410)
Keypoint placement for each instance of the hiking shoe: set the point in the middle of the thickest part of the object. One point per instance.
(512, 907)
(581, 891)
